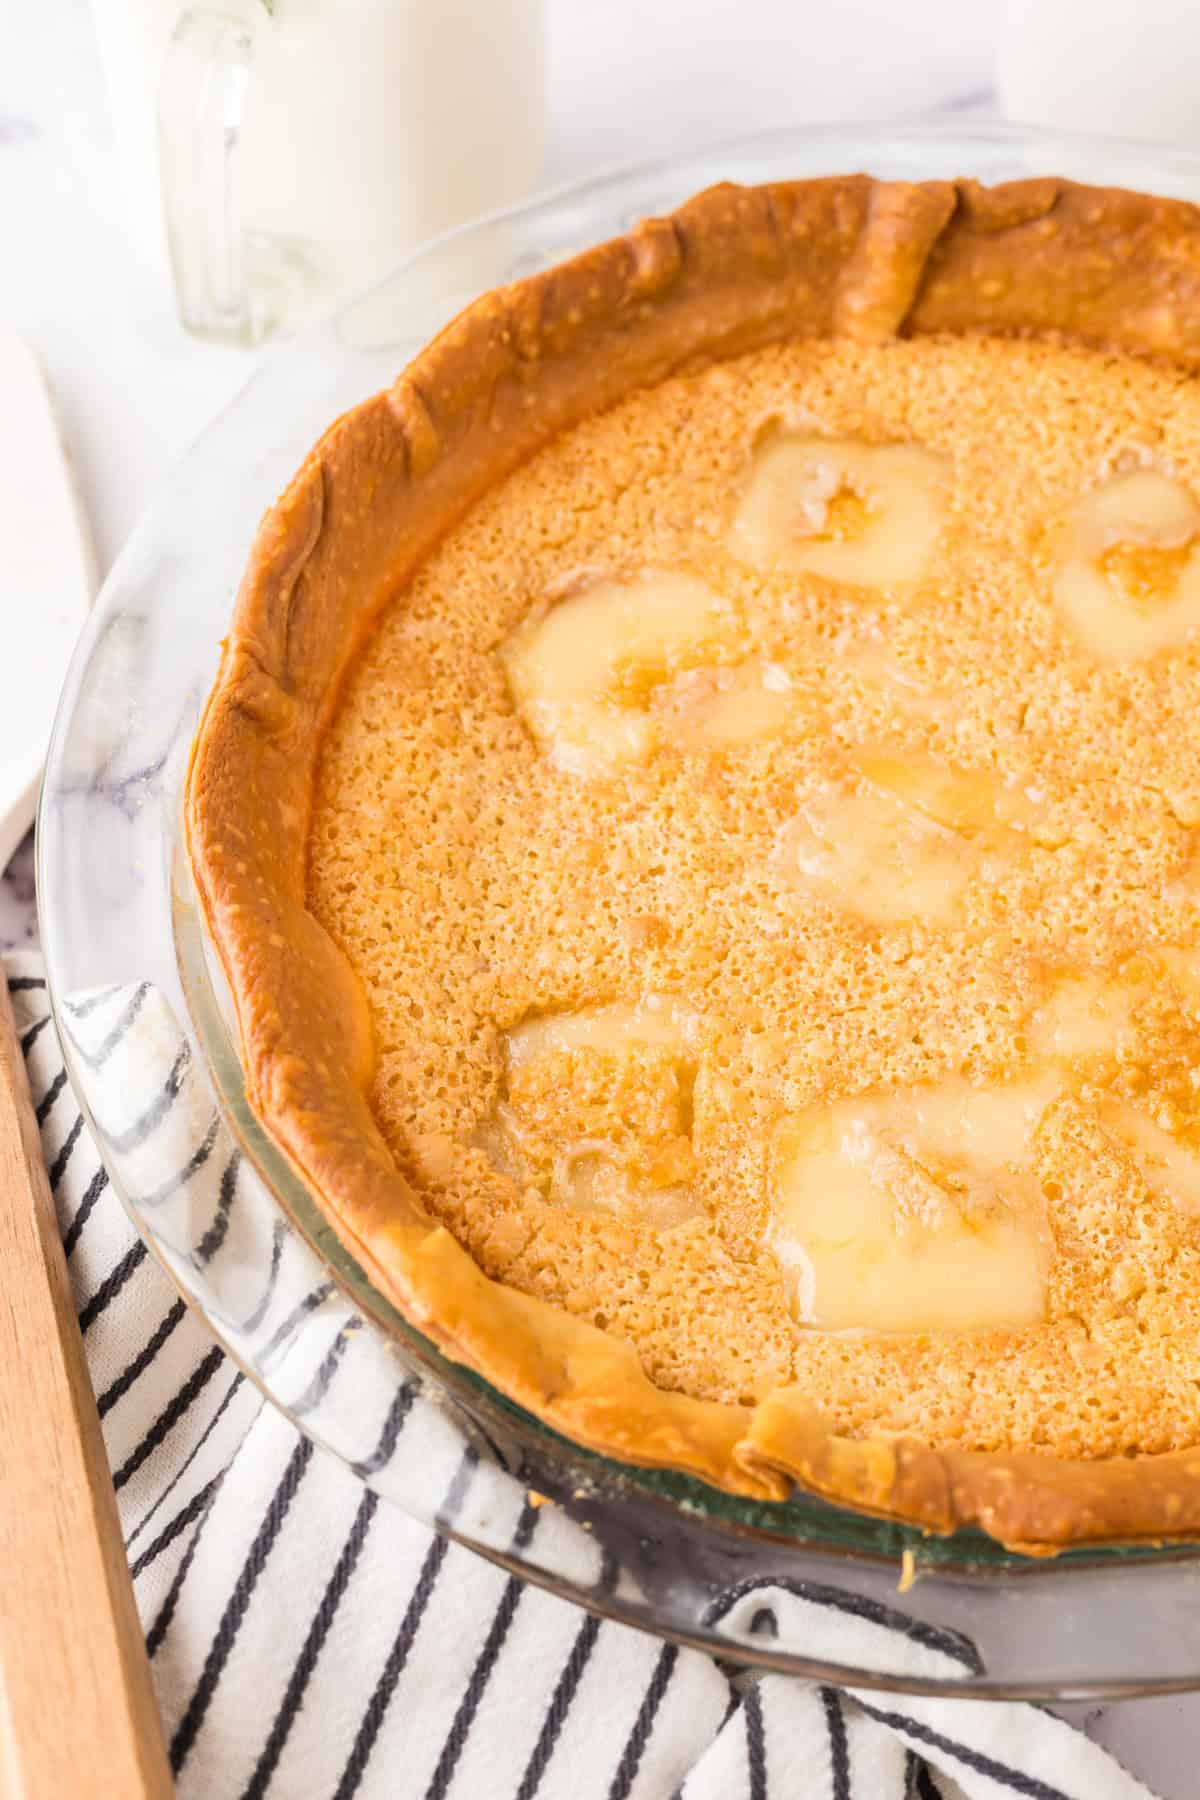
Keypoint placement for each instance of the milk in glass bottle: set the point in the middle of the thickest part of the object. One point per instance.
(295, 149)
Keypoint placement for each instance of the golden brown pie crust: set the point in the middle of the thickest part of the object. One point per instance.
(732, 270)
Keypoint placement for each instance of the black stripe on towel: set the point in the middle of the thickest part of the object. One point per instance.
(643, 1725)
(858, 1606)
(393, 1668)
(22, 984)
(756, 1743)
(50, 1096)
(314, 1642)
(839, 1749)
(112, 1284)
(187, 1462)
(96, 1059)
(170, 1416)
(83, 1009)
(235, 1610)
(1016, 1780)
(565, 1689)
(166, 1611)
(384, 1450)
(30, 1037)
(254, 1319)
(183, 1518)
(141, 1362)
(481, 1674)
(284, 1333)
(214, 1237)
(96, 1187)
(560, 1705)
(924, 1786)
(58, 1166)
(156, 1112)
(456, 1493)
(320, 1384)
(181, 1177)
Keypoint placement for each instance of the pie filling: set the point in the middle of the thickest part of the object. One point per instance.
(768, 854)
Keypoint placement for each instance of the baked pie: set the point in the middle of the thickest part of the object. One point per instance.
(699, 815)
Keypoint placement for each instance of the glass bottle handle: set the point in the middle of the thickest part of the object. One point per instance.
(201, 109)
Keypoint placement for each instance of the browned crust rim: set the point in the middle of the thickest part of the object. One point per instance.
(733, 269)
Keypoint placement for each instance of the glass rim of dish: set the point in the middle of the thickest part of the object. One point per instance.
(78, 797)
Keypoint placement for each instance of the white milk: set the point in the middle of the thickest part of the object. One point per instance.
(301, 151)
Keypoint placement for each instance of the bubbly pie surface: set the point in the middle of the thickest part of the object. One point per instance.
(699, 813)
(708, 885)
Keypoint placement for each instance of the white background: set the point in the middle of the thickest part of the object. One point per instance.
(627, 79)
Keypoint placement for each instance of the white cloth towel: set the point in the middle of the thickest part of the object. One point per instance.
(309, 1640)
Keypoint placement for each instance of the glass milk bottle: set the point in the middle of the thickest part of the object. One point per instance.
(299, 147)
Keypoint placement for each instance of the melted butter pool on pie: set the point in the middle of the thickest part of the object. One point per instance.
(1087, 1015)
(657, 1019)
(620, 669)
(919, 1209)
(585, 673)
(915, 1210)
(723, 709)
(866, 514)
(1128, 584)
(903, 840)
(596, 1109)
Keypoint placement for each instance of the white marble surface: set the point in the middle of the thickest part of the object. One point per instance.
(626, 79)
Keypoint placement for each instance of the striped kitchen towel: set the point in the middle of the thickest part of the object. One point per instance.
(310, 1640)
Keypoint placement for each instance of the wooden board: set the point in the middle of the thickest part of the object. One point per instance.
(77, 1712)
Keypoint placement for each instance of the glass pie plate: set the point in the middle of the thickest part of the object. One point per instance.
(239, 1234)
